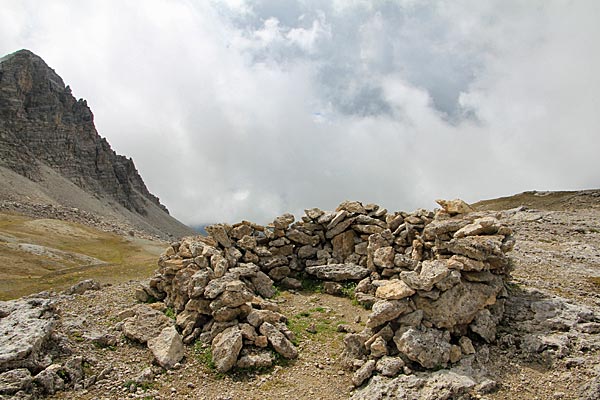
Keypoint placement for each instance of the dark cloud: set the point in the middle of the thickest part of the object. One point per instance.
(240, 109)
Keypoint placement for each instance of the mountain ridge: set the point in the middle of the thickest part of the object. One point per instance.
(43, 125)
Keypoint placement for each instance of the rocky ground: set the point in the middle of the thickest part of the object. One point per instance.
(547, 347)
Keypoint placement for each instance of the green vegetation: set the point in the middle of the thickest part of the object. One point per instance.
(312, 285)
(203, 353)
(169, 312)
(348, 290)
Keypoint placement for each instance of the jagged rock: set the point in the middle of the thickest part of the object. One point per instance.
(455, 206)
(442, 385)
(432, 272)
(278, 340)
(363, 373)
(439, 227)
(283, 221)
(147, 323)
(257, 317)
(338, 228)
(352, 207)
(466, 345)
(384, 257)
(389, 366)
(301, 237)
(484, 325)
(26, 326)
(15, 380)
(394, 290)
(343, 244)
(219, 232)
(481, 226)
(49, 379)
(479, 248)
(378, 348)
(338, 272)
(429, 347)
(263, 284)
(458, 305)
(387, 310)
(332, 288)
(167, 347)
(226, 347)
(83, 286)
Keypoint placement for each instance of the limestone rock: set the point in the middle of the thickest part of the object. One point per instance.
(219, 232)
(458, 305)
(83, 286)
(26, 326)
(481, 226)
(352, 207)
(343, 244)
(283, 221)
(259, 360)
(455, 206)
(147, 323)
(384, 257)
(338, 272)
(394, 290)
(14, 381)
(430, 347)
(278, 340)
(364, 373)
(432, 272)
(387, 310)
(226, 347)
(167, 347)
(389, 366)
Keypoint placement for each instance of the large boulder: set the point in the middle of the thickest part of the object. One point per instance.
(428, 347)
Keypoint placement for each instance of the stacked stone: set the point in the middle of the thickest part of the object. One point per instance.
(432, 296)
(430, 278)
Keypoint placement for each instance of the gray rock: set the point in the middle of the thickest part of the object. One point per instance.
(278, 340)
(49, 379)
(338, 272)
(167, 347)
(83, 286)
(458, 305)
(484, 325)
(226, 347)
(428, 347)
(263, 284)
(146, 324)
(219, 233)
(257, 317)
(389, 366)
(363, 373)
(259, 360)
(15, 380)
(387, 310)
(431, 273)
(26, 326)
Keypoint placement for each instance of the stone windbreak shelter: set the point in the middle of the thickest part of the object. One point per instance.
(434, 282)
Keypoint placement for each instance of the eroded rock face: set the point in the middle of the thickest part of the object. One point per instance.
(40, 120)
(225, 348)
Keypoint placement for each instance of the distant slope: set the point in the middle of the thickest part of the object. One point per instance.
(552, 201)
(43, 254)
(49, 140)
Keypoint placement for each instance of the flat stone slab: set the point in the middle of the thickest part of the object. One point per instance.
(339, 272)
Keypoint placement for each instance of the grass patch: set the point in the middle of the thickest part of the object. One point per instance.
(299, 323)
(348, 290)
(312, 285)
(203, 353)
(169, 312)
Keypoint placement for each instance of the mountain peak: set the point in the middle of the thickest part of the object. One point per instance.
(43, 125)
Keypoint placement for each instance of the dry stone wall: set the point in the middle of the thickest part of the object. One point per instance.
(434, 282)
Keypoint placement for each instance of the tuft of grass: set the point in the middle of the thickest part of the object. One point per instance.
(169, 312)
(312, 285)
(348, 290)
(203, 354)
(318, 309)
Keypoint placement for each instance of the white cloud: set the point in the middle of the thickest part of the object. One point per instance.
(244, 110)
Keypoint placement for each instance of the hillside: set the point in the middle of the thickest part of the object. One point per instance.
(51, 153)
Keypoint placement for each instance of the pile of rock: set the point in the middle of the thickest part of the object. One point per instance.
(431, 278)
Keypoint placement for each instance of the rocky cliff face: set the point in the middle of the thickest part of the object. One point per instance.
(41, 122)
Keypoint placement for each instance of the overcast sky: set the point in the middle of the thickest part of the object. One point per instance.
(247, 109)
